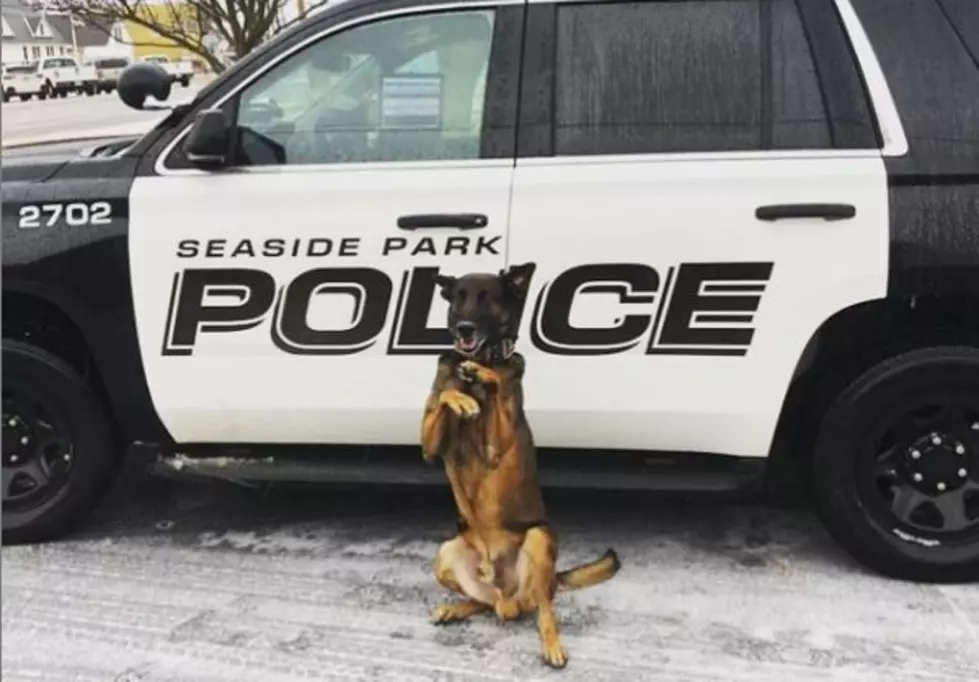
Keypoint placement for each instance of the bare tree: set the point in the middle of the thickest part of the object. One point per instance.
(239, 25)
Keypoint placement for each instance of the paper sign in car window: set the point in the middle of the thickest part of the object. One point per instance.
(411, 102)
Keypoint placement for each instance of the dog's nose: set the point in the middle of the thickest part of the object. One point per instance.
(465, 330)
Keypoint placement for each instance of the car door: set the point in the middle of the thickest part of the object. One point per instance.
(699, 199)
(288, 296)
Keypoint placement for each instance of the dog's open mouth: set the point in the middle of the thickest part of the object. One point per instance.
(470, 345)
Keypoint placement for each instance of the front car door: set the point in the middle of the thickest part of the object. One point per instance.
(701, 184)
(288, 297)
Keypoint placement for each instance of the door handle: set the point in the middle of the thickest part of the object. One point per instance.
(826, 211)
(462, 221)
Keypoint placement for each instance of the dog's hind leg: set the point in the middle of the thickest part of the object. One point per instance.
(536, 570)
(456, 569)
(455, 612)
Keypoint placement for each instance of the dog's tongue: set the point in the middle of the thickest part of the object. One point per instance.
(467, 346)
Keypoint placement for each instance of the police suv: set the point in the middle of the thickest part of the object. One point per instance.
(755, 224)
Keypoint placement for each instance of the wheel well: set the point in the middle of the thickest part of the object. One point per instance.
(34, 320)
(843, 348)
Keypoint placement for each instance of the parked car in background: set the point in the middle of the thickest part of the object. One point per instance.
(107, 70)
(62, 75)
(22, 80)
(181, 70)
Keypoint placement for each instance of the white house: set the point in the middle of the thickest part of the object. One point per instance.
(101, 39)
(30, 33)
(27, 34)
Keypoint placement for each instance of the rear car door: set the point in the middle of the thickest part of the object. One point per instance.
(701, 184)
(288, 296)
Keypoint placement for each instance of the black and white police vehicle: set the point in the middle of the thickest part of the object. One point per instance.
(755, 224)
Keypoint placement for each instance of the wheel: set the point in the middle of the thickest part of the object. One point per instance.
(59, 454)
(185, 81)
(24, 98)
(896, 466)
(89, 90)
(63, 94)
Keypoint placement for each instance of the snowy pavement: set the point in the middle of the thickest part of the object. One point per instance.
(204, 581)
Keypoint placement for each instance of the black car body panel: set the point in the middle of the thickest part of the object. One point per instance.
(83, 270)
(929, 52)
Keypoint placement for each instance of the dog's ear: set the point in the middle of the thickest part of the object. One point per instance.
(516, 279)
(446, 285)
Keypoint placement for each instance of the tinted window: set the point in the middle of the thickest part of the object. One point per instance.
(964, 17)
(22, 68)
(928, 51)
(402, 89)
(700, 75)
(111, 63)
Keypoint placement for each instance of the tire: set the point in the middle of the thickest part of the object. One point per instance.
(915, 413)
(89, 90)
(80, 454)
(185, 81)
(24, 98)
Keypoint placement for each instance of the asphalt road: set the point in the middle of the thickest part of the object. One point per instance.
(76, 115)
(204, 581)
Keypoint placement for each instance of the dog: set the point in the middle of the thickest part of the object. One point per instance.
(505, 554)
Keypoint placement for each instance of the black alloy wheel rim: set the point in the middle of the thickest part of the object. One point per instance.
(921, 478)
(38, 452)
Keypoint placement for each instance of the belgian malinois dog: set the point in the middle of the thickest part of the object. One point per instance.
(504, 557)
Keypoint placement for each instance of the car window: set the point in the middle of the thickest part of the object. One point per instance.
(111, 63)
(692, 76)
(401, 89)
(21, 68)
(929, 53)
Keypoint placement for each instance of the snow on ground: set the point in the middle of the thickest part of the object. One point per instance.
(195, 582)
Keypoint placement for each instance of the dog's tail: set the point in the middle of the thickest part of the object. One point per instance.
(592, 573)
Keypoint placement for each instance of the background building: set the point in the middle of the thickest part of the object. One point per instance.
(31, 32)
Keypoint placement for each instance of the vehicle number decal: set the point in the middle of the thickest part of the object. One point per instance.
(73, 214)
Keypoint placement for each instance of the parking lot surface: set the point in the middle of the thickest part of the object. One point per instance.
(78, 115)
(206, 581)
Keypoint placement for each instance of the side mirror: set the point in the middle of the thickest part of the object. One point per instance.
(141, 80)
(207, 143)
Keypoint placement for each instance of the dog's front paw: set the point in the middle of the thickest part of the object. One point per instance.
(462, 405)
(554, 654)
(466, 374)
(474, 373)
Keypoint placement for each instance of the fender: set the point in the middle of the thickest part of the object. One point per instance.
(76, 259)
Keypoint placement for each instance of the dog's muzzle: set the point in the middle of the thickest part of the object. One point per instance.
(466, 339)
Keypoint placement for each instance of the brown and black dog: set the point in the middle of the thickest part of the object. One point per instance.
(504, 558)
